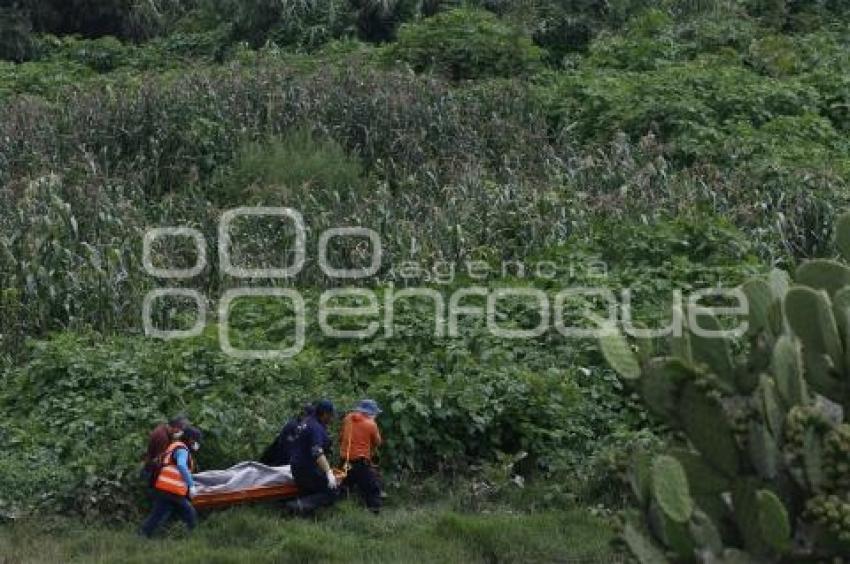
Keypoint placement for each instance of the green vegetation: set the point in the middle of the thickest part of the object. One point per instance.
(762, 430)
(451, 404)
(683, 143)
(466, 44)
(429, 533)
(291, 169)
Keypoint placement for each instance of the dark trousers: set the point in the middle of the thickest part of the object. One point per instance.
(313, 491)
(164, 505)
(363, 477)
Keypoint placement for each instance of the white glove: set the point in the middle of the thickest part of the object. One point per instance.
(332, 481)
(193, 491)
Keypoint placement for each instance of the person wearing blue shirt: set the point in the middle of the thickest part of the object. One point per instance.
(279, 453)
(309, 462)
(173, 491)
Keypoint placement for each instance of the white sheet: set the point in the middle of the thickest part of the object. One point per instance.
(241, 476)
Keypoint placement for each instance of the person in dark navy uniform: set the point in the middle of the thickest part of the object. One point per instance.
(310, 461)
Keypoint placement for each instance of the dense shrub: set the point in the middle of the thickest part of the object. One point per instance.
(378, 21)
(693, 106)
(657, 37)
(636, 28)
(284, 171)
(604, 14)
(800, 15)
(704, 241)
(774, 55)
(834, 89)
(249, 21)
(654, 39)
(443, 411)
(101, 55)
(104, 18)
(466, 44)
(120, 18)
(308, 24)
(16, 42)
(291, 23)
(561, 34)
(68, 62)
(41, 78)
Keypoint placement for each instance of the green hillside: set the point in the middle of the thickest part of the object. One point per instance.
(540, 145)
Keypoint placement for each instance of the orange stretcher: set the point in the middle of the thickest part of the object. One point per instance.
(260, 493)
(247, 495)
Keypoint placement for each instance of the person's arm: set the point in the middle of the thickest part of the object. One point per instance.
(317, 439)
(318, 451)
(323, 463)
(181, 457)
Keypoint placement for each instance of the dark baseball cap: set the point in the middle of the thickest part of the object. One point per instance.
(325, 406)
(192, 434)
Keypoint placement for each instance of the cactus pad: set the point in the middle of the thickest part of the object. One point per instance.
(619, 355)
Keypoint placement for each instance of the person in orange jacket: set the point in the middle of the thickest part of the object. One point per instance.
(359, 439)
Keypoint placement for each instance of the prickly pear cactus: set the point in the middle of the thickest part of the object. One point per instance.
(764, 474)
(836, 460)
(830, 515)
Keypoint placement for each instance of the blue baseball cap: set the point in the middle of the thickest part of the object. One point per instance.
(369, 407)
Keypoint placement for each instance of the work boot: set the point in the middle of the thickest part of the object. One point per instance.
(296, 508)
(293, 507)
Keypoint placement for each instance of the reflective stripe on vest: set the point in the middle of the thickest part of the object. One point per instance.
(170, 480)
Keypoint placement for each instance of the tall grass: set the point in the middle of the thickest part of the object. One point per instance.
(440, 172)
(117, 162)
(289, 169)
(432, 533)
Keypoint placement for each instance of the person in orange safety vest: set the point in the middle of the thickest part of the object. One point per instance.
(162, 436)
(174, 487)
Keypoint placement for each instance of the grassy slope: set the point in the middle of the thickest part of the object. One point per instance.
(431, 533)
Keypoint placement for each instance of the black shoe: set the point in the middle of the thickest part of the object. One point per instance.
(293, 507)
(298, 509)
